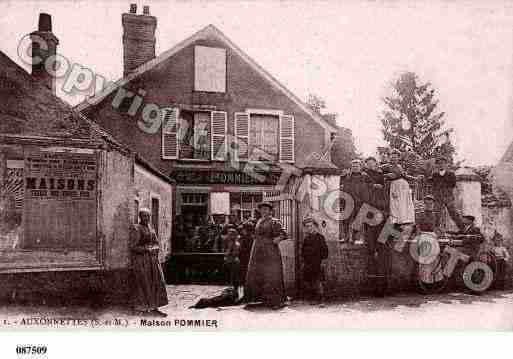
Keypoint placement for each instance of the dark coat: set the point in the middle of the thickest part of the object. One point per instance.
(314, 251)
(264, 280)
(472, 244)
(443, 185)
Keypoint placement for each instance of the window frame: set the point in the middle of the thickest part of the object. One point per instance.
(271, 112)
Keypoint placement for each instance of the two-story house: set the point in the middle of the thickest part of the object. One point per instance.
(229, 128)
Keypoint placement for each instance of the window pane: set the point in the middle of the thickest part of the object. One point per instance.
(264, 134)
(202, 135)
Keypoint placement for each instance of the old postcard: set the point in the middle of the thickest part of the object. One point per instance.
(229, 165)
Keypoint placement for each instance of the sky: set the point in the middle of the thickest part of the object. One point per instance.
(347, 52)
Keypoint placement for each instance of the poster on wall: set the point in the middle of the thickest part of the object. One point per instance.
(220, 203)
(60, 200)
(60, 175)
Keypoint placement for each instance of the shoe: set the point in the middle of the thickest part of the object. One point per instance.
(278, 306)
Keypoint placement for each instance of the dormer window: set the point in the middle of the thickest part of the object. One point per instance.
(209, 69)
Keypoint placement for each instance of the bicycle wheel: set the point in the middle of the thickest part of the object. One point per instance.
(435, 281)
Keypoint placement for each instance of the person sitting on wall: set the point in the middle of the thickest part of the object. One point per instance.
(427, 220)
(314, 251)
(444, 181)
(472, 237)
(147, 280)
(377, 190)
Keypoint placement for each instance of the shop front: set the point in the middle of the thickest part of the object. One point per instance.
(205, 202)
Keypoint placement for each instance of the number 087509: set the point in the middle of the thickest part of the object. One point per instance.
(31, 349)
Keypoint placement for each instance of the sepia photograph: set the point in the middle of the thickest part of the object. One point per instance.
(185, 166)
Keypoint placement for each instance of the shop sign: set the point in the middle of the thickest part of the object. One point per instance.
(213, 177)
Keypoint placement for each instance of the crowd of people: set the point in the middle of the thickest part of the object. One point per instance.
(251, 249)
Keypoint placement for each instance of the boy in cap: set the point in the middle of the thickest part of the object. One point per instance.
(314, 252)
(427, 220)
(231, 257)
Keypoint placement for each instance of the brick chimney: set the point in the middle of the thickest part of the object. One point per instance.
(138, 38)
(44, 32)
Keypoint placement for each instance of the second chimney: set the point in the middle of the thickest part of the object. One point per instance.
(138, 38)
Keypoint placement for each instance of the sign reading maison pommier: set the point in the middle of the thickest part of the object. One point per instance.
(60, 175)
(213, 177)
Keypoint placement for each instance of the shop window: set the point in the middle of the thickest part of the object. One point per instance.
(47, 208)
(264, 135)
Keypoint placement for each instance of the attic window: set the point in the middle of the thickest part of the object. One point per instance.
(209, 69)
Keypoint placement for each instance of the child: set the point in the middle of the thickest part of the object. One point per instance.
(502, 257)
(231, 257)
(315, 251)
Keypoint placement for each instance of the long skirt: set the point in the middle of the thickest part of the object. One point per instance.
(264, 280)
(401, 202)
(149, 287)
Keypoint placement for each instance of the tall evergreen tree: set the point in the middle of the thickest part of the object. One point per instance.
(411, 122)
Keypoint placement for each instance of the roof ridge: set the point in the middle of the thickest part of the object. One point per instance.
(209, 29)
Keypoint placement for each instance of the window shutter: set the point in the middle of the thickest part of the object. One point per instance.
(287, 138)
(218, 124)
(170, 133)
(242, 135)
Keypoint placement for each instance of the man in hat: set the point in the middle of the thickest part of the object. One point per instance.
(443, 183)
(314, 251)
(472, 237)
(427, 220)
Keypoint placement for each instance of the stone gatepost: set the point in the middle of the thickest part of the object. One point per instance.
(468, 194)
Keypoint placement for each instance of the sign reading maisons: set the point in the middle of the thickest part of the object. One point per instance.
(60, 176)
(60, 201)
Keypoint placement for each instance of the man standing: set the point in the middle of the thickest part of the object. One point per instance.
(444, 182)
(356, 183)
(314, 251)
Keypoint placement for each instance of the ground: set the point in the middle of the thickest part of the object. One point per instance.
(492, 311)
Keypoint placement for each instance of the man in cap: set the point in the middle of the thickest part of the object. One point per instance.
(443, 182)
(427, 220)
(472, 237)
(314, 251)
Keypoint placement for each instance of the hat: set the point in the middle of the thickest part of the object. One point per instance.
(430, 197)
(265, 204)
(356, 161)
(370, 158)
(469, 217)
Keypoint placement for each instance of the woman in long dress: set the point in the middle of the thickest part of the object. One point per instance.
(148, 285)
(264, 279)
(401, 201)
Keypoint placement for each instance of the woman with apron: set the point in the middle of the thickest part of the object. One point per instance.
(264, 279)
